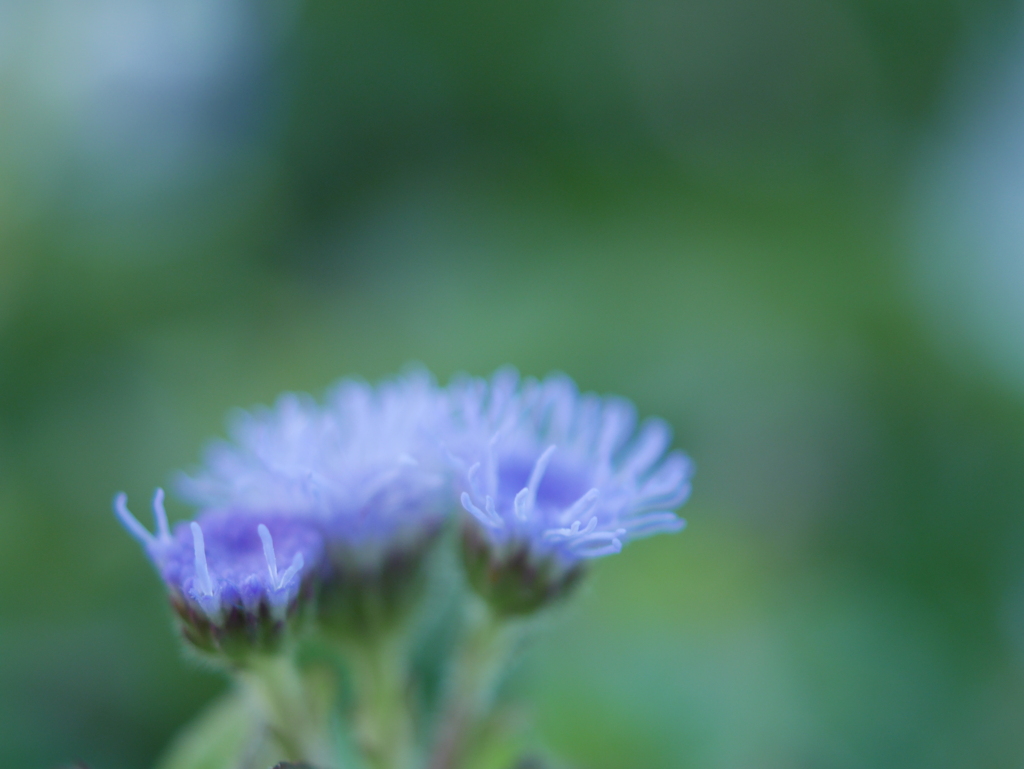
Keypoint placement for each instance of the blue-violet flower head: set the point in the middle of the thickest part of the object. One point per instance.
(365, 466)
(233, 581)
(565, 475)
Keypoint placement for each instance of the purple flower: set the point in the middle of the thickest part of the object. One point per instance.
(558, 475)
(364, 467)
(231, 579)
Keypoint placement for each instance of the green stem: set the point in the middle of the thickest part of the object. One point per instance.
(293, 719)
(485, 650)
(383, 727)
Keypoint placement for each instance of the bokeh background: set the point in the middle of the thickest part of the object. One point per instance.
(795, 229)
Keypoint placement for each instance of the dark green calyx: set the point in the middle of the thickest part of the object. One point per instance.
(510, 580)
(365, 601)
(237, 633)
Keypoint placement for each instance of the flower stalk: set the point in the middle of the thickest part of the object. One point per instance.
(382, 721)
(486, 649)
(292, 718)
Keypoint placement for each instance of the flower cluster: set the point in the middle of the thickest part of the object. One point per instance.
(308, 493)
(325, 515)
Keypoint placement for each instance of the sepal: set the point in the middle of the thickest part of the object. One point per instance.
(512, 580)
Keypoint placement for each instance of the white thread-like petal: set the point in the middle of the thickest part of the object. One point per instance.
(269, 554)
(163, 531)
(479, 514)
(202, 570)
(131, 523)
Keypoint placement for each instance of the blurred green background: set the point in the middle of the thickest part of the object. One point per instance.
(794, 229)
